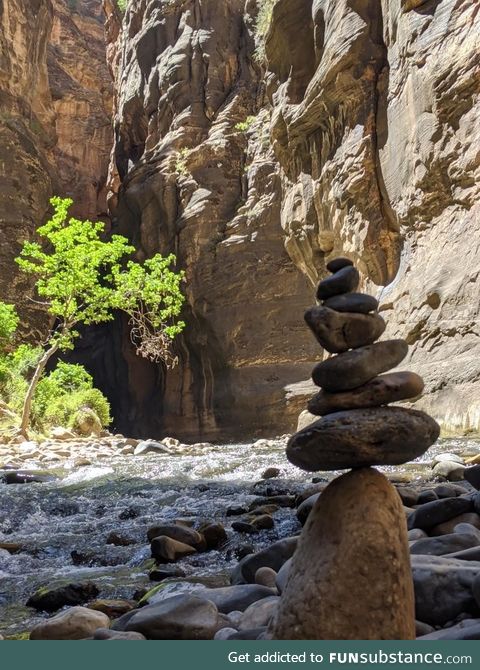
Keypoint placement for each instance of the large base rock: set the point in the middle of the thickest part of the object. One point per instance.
(350, 577)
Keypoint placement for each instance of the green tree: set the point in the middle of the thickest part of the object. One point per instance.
(82, 279)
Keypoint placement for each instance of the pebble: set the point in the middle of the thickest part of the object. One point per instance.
(353, 368)
(337, 332)
(363, 437)
(378, 391)
(266, 577)
(344, 280)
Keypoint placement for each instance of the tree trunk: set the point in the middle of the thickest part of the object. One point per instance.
(27, 404)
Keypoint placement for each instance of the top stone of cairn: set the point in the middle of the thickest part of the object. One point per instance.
(358, 428)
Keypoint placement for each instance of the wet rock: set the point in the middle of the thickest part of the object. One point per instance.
(468, 629)
(451, 525)
(214, 533)
(259, 510)
(266, 577)
(472, 476)
(244, 527)
(427, 496)
(166, 550)
(378, 391)
(259, 614)
(422, 628)
(52, 599)
(130, 513)
(236, 510)
(271, 473)
(339, 331)
(262, 522)
(107, 634)
(451, 470)
(76, 623)
(83, 557)
(306, 507)
(151, 446)
(182, 617)
(26, 477)
(224, 633)
(112, 608)
(235, 598)
(338, 561)
(337, 264)
(344, 280)
(244, 550)
(282, 576)
(431, 514)
(11, 547)
(445, 544)
(443, 588)
(353, 368)
(273, 556)
(363, 437)
(408, 495)
(157, 574)
(360, 303)
(119, 540)
(180, 533)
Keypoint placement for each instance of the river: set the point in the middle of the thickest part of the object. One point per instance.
(127, 494)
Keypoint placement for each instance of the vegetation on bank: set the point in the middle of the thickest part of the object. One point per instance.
(82, 279)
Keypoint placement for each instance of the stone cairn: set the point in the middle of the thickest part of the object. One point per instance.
(350, 577)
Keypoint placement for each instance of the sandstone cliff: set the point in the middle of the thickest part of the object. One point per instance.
(55, 123)
(376, 127)
(198, 178)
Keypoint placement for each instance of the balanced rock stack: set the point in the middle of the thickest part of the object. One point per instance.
(350, 577)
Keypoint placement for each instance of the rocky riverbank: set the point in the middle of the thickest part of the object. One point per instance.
(83, 537)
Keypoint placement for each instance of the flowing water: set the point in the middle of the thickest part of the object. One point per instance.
(127, 494)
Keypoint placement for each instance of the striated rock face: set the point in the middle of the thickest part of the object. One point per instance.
(55, 128)
(198, 178)
(375, 126)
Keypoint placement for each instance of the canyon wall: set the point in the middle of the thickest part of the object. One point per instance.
(376, 127)
(356, 134)
(55, 125)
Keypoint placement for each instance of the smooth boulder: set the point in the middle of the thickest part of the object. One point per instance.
(443, 588)
(182, 617)
(360, 303)
(51, 600)
(178, 533)
(76, 623)
(166, 550)
(363, 437)
(378, 391)
(445, 544)
(273, 556)
(353, 552)
(337, 332)
(431, 514)
(353, 368)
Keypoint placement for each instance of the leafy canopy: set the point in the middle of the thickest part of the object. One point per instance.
(8, 324)
(83, 279)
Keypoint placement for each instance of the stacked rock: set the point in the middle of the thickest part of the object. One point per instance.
(350, 577)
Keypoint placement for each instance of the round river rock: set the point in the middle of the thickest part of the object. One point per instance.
(360, 437)
(338, 332)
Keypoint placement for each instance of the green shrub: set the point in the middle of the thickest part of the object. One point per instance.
(8, 324)
(63, 411)
(243, 126)
(65, 380)
(122, 5)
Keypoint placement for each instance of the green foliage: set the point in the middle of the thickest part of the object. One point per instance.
(181, 162)
(122, 5)
(244, 126)
(262, 25)
(83, 279)
(64, 410)
(15, 368)
(8, 324)
(65, 380)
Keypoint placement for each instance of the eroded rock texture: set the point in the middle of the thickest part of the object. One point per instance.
(375, 126)
(198, 178)
(55, 128)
